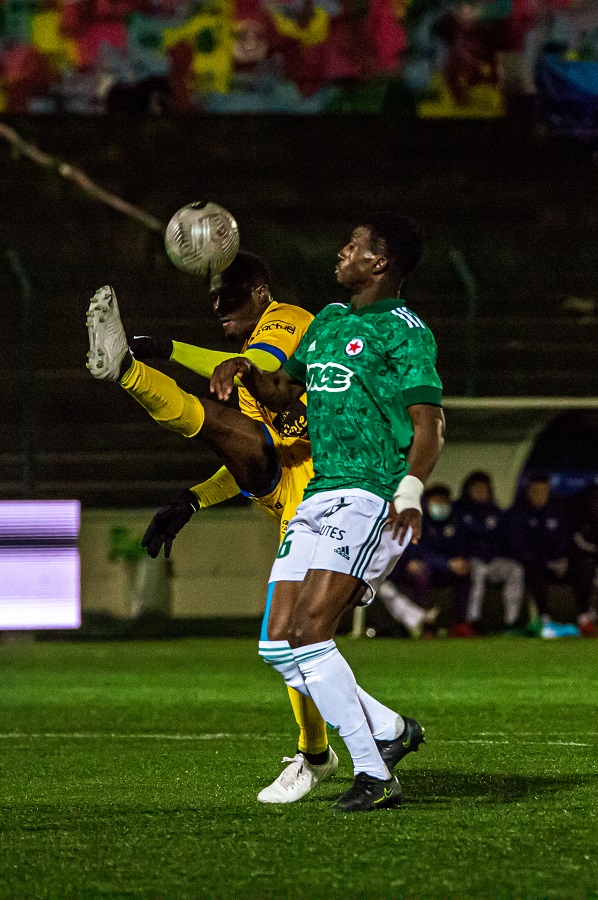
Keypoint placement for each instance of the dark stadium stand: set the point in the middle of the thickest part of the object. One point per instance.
(522, 215)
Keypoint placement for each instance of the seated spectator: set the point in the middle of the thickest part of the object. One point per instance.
(436, 561)
(538, 536)
(583, 560)
(416, 621)
(481, 520)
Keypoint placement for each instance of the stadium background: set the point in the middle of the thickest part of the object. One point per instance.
(508, 286)
(130, 767)
(480, 121)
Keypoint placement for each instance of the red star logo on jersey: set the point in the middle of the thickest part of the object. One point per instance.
(354, 347)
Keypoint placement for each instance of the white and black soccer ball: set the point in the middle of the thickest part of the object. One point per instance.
(202, 238)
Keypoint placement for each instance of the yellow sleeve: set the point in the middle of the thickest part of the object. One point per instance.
(203, 361)
(221, 486)
(276, 337)
(279, 331)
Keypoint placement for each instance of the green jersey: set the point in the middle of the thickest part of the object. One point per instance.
(363, 369)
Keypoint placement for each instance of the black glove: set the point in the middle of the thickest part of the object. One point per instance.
(145, 346)
(167, 523)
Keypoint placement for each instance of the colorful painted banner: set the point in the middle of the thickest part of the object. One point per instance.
(295, 56)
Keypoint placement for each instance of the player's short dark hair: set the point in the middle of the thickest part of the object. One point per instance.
(398, 237)
(246, 272)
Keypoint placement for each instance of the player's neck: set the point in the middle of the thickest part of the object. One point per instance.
(373, 293)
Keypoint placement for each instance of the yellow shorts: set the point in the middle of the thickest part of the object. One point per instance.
(297, 469)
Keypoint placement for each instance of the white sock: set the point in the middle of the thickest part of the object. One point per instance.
(279, 655)
(333, 689)
(385, 724)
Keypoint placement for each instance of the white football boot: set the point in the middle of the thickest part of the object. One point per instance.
(107, 339)
(298, 779)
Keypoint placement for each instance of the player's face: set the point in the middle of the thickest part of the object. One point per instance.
(237, 310)
(356, 260)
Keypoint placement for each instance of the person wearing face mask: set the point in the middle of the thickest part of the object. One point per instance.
(485, 543)
(437, 561)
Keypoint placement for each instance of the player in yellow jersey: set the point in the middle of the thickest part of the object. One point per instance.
(267, 456)
(270, 332)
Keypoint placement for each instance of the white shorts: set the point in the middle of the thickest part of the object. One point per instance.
(341, 531)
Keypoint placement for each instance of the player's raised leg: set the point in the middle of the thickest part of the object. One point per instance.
(226, 430)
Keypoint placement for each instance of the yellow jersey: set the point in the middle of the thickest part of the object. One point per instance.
(278, 332)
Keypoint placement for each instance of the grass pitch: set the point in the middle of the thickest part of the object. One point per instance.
(131, 769)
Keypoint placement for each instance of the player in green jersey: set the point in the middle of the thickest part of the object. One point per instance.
(376, 426)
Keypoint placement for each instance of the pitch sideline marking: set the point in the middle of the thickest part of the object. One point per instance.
(220, 736)
(92, 736)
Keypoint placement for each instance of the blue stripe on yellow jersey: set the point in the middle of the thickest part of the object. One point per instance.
(279, 332)
(268, 348)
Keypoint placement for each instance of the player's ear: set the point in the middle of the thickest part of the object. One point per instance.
(380, 266)
(261, 292)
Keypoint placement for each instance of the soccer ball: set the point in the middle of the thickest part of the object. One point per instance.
(202, 238)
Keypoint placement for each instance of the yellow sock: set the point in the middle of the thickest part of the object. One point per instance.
(165, 401)
(312, 727)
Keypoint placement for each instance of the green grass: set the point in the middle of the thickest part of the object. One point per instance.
(501, 801)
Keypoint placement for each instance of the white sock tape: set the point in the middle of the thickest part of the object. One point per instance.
(408, 494)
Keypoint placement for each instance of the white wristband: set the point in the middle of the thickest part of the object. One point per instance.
(408, 494)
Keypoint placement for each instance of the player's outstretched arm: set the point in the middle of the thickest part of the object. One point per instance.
(275, 390)
(428, 439)
(197, 359)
